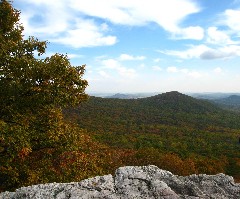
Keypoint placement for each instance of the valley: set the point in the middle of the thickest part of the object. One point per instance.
(171, 127)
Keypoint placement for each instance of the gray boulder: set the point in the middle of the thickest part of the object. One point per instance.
(135, 182)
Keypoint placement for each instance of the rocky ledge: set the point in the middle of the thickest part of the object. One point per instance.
(135, 182)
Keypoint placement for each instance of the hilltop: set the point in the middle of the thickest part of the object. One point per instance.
(178, 102)
(171, 108)
(130, 95)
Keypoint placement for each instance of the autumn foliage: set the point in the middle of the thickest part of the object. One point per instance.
(40, 144)
(33, 92)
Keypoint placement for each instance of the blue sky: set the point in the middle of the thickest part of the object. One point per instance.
(143, 45)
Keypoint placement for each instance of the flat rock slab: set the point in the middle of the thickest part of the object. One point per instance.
(133, 182)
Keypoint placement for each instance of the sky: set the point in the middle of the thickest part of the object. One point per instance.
(142, 45)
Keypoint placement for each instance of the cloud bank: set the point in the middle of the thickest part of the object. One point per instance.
(86, 23)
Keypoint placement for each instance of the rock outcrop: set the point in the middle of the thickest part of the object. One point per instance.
(135, 182)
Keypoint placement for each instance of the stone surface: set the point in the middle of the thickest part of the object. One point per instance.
(135, 182)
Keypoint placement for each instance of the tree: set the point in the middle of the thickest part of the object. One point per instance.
(27, 83)
(33, 92)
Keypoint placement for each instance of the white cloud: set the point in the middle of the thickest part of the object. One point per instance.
(116, 66)
(72, 55)
(214, 54)
(217, 37)
(225, 52)
(223, 44)
(192, 52)
(157, 68)
(218, 70)
(57, 22)
(126, 57)
(172, 69)
(110, 63)
(73, 23)
(184, 70)
(192, 32)
(89, 71)
(232, 19)
(137, 12)
(85, 34)
(52, 17)
(194, 74)
(103, 74)
(204, 52)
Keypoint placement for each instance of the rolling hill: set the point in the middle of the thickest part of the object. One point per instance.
(172, 109)
(171, 130)
(231, 102)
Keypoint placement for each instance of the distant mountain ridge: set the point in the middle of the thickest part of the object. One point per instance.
(232, 102)
(171, 108)
(212, 96)
(229, 101)
(135, 95)
(130, 95)
(123, 96)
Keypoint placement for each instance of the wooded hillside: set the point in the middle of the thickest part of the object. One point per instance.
(171, 127)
